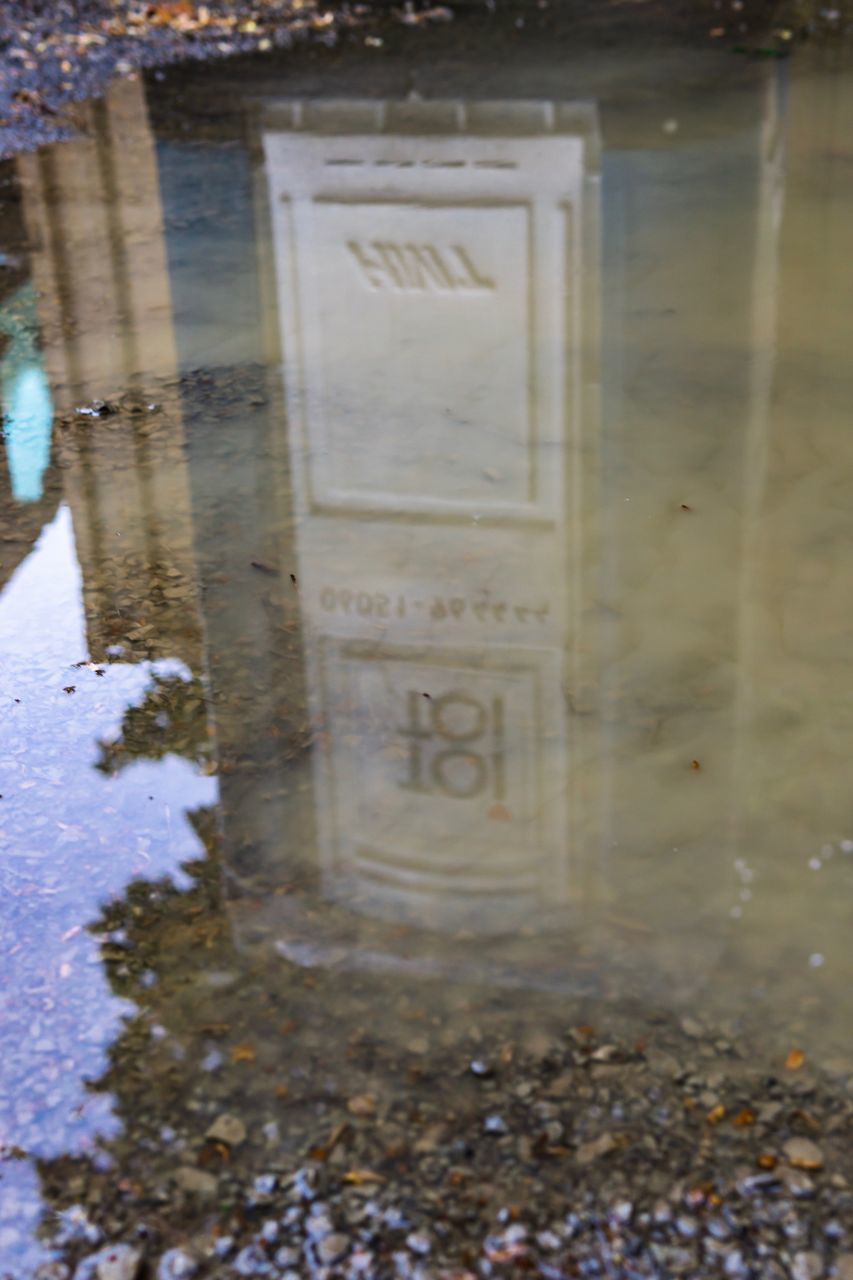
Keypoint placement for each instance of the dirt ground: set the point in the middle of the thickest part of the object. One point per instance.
(54, 53)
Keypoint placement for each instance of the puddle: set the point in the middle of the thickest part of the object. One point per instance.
(432, 604)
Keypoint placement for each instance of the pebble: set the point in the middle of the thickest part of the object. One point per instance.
(587, 1152)
(802, 1153)
(363, 1104)
(318, 1225)
(252, 1261)
(807, 1265)
(332, 1248)
(287, 1256)
(419, 1243)
(196, 1181)
(735, 1264)
(228, 1129)
(621, 1212)
(797, 1182)
(719, 1229)
(176, 1264)
(264, 1185)
(114, 1262)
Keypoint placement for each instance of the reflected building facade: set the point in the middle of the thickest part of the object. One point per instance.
(100, 270)
(436, 265)
(477, 447)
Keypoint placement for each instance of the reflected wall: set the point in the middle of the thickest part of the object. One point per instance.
(485, 459)
(436, 265)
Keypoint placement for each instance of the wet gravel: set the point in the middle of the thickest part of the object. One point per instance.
(585, 1156)
(57, 53)
(53, 55)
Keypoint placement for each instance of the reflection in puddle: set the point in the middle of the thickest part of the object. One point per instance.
(453, 497)
(75, 831)
(435, 291)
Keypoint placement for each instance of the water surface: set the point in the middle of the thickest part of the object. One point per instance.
(426, 546)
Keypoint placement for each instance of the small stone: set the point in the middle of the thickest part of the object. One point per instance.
(587, 1152)
(753, 1183)
(717, 1228)
(332, 1248)
(318, 1225)
(228, 1129)
(196, 1181)
(272, 1135)
(363, 1104)
(621, 1212)
(115, 1262)
(807, 1265)
(287, 1256)
(797, 1182)
(495, 1124)
(692, 1028)
(418, 1242)
(252, 1261)
(396, 1220)
(176, 1264)
(802, 1153)
(735, 1264)
(304, 1184)
(844, 1266)
(263, 1187)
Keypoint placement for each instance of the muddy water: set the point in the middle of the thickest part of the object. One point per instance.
(426, 543)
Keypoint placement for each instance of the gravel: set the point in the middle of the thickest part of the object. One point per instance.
(640, 1184)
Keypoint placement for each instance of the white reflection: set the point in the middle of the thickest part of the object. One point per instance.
(436, 267)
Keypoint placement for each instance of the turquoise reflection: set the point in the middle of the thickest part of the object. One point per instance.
(27, 407)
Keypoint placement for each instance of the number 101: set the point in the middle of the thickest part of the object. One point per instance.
(455, 745)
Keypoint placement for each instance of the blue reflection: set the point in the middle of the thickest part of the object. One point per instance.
(27, 406)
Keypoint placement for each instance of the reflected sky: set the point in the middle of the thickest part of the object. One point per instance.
(73, 837)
